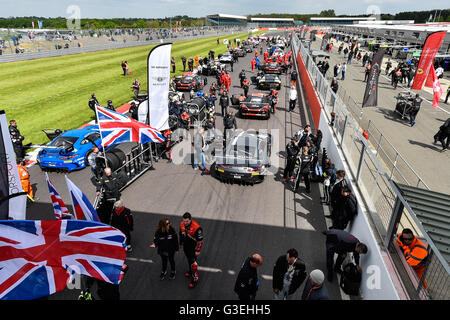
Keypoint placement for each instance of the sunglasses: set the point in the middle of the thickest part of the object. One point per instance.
(407, 239)
(167, 223)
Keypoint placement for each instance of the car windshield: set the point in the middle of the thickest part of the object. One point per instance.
(226, 55)
(256, 99)
(64, 141)
(187, 79)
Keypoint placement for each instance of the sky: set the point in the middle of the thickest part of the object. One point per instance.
(200, 8)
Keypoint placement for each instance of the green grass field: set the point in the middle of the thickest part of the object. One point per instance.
(53, 93)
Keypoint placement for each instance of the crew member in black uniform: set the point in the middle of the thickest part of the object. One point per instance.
(292, 151)
(242, 77)
(110, 105)
(191, 239)
(17, 140)
(133, 110)
(109, 185)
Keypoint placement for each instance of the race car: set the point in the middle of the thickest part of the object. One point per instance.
(267, 81)
(226, 57)
(69, 150)
(212, 67)
(271, 67)
(240, 52)
(256, 104)
(248, 49)
(188, 81)
(246, 158)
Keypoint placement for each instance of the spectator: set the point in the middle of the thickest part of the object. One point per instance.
(341, 242)
(315, 289)
(224, 101)
(172, 63)
(343, 70)
(443, 134)
(166, 241)
(199, 148)
(292, 98)
(345, 210)
(336, 191)
(329, 174)
(288, 274)
(93, 162)
(247, 282)
(122, 219)
(183, 61)
(123, 67)
(367, 72)
(109, 186)
(191, 65)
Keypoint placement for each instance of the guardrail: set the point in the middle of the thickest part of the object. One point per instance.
(109, 46)
(372, 179)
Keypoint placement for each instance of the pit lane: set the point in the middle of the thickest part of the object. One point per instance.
(267, 218)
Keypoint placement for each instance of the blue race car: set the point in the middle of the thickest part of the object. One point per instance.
(69, 150)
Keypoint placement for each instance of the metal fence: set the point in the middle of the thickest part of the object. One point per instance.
(367, 160)
(47, 48)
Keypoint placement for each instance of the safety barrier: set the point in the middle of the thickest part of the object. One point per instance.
(377, 193)
(109, 46)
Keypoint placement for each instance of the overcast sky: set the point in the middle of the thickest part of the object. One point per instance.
(201, 8)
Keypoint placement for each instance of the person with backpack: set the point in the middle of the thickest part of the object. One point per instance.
(122, 219)
(341, 242)
(443, 134)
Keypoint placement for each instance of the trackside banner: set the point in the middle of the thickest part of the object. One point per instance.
(430, 48)
(158, 78)
(371, 93)
(13, 200)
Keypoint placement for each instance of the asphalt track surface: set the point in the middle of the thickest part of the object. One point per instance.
(415, 143)
(267, 218)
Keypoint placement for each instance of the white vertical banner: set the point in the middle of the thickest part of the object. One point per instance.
(13, 201)
(158, 80)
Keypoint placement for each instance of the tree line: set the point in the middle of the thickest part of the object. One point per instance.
(437, 15)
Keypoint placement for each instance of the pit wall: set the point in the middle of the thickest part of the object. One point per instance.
(377, 283)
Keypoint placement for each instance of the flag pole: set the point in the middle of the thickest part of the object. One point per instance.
(101, 136)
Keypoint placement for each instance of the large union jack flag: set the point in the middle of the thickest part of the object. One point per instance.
(117, 128)
(35, 256)
(60, 209)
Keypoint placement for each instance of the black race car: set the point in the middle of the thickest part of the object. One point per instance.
(245, 158)
(188, 81)
(271, 67)
(267, 81)
(248, 49)
(256, 105)
(211, 68)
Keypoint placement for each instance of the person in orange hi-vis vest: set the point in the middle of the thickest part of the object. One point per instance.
(415, 252)
(196, 62)
(25, 179)
(253, 63)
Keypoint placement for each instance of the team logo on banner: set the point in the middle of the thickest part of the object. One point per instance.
(430, 48)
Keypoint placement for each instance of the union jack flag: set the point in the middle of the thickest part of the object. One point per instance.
(117, 128)
(60, 209)
(35, 256)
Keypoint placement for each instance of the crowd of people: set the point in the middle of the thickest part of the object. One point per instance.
(303, 164)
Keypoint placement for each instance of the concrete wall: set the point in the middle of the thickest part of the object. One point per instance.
(377, 283)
